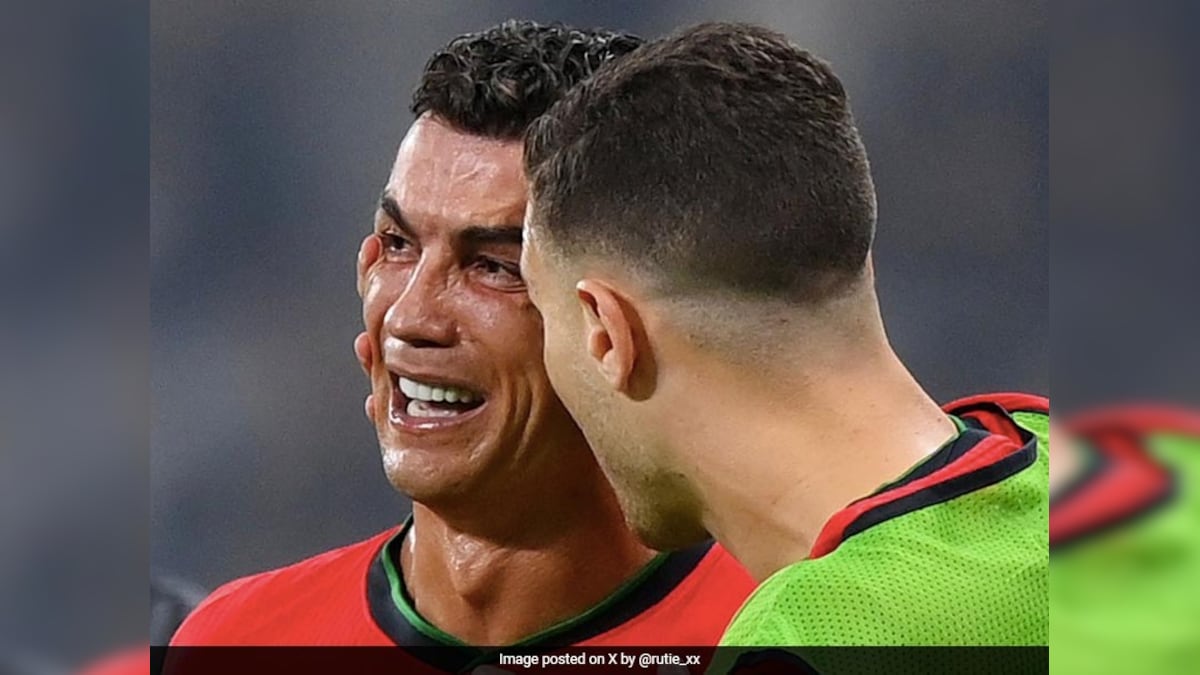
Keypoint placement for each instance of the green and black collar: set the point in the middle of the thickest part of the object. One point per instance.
(394, 611)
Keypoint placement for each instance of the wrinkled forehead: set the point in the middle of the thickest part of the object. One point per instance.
(451, 176)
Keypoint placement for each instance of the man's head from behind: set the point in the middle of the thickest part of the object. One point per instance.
(699, 210)
(461, 401)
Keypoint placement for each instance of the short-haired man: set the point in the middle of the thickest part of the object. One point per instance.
(698, 240)
(516, 538)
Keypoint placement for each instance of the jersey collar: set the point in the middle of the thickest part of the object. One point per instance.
(1122, 481)
(394, 611)
(989, 448)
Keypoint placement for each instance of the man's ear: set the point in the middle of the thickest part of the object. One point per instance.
(609, 325)
(368, 254)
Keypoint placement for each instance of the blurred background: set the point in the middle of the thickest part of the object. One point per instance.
(273, 128)
(274, 125)
(74, 329)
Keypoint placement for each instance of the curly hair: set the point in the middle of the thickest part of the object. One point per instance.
(496, 82)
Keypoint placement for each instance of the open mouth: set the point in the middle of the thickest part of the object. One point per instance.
(429, 403)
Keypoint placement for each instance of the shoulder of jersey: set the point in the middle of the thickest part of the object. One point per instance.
(769, 616)
(823, 586)
(722, 574)
(688, 601)
(238, 610)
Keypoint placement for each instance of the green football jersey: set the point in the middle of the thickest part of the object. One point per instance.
(1125, 537)
(954, 552)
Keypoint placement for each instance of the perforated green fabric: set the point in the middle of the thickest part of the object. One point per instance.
(969, 571)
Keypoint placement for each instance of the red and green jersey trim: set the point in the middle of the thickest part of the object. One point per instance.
(1121, 482)
(395, 612)
(991, 448)
(894, 567)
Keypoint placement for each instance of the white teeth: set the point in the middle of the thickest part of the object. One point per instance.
(423, 409)
(419, 391)
(408, 387)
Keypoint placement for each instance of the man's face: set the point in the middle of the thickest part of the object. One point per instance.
(460, 393)
(620, 426)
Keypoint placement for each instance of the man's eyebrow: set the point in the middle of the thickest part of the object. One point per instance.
(476, 235)
(392, 209)
(480, 235)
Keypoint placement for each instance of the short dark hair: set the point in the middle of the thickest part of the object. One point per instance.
(495, 82)
(721, 157)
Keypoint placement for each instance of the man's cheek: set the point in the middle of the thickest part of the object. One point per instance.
(371, 315)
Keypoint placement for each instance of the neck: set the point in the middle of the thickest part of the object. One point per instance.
(818, 441)
(490, 582)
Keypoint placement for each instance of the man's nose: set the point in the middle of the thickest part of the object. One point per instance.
(421, 315)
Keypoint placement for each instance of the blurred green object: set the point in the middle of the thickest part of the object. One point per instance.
(1125, 546)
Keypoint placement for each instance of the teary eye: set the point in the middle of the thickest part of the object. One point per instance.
(500, 273)
(394, 242)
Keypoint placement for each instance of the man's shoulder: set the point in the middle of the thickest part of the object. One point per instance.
(823, 603)
(809, 603)
(891, 585)
(326, 580)
(711, 592)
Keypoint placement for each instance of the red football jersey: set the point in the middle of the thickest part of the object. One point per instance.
(354, 596)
